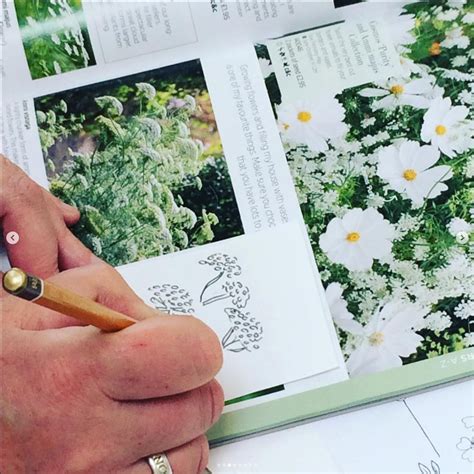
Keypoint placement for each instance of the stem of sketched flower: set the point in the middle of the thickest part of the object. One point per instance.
(227, 345)
(214, 299)
(209, 284)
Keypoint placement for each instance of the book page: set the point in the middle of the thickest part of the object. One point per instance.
(141, 140)
(375, 115)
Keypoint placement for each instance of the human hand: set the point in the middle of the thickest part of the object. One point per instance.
(75, 399)
(46, 245)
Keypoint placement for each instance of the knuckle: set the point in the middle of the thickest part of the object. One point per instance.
(212, 403)
(203, 456)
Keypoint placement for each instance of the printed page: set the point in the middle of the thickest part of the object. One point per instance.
(231, 285)
(375, 116)
(81, 41)
(149, 151)
(300, 449)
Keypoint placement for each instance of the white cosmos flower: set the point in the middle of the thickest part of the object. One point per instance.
(401, 29)
(312, 122)
(396, 92)
(357, 238)
(409, 67)
(388, 336)
(409, 169)
(455, 38)
(338, 309)
(444, 127)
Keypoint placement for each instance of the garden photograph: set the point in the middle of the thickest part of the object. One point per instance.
(141, 158)
(54, 35)
(383, 174)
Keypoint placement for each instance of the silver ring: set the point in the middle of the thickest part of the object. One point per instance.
(159, 464)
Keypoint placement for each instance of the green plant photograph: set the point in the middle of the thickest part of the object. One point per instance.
(55, 36)
(141, 158)
(384, 175)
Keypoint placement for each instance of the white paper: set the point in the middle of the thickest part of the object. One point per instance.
(333, 58)
(266, 282)
(295, 450)
(447, 417)
(423, 434)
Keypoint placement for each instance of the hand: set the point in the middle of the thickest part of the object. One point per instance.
(75, 399)
(46, 245)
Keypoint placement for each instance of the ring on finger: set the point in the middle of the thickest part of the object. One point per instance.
(159, 464)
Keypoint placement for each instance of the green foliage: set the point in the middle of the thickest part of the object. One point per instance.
(54, 35)
(138, 186)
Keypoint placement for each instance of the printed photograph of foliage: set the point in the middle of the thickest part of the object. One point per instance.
(384, 176)
(141, 158)
(55, 36)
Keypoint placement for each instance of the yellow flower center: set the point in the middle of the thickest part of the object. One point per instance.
(304, 116)
(441, 129)
(376, 339)
(397, 89)
(353, 237)
(410, 174)
(435, 49)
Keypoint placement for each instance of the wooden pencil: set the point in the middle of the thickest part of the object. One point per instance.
(46, 294)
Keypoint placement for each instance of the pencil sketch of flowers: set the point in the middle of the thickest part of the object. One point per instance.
(468, 422)
(224, 285)
(424, 469)
(171, 299)
(245, 334)
(466, 446)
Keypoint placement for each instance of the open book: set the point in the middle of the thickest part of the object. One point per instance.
(303, 189)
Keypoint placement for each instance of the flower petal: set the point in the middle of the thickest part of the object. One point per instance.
(372, 92)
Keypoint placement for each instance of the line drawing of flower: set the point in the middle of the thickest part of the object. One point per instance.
(312, 123)
(244, 334)
(396, 92)
(424, 469)
(223, 285)
(468, 422)
(171, 299)
(387, 337)
(357, 238)
(466, 445)
(409, 169)
(444, 127)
